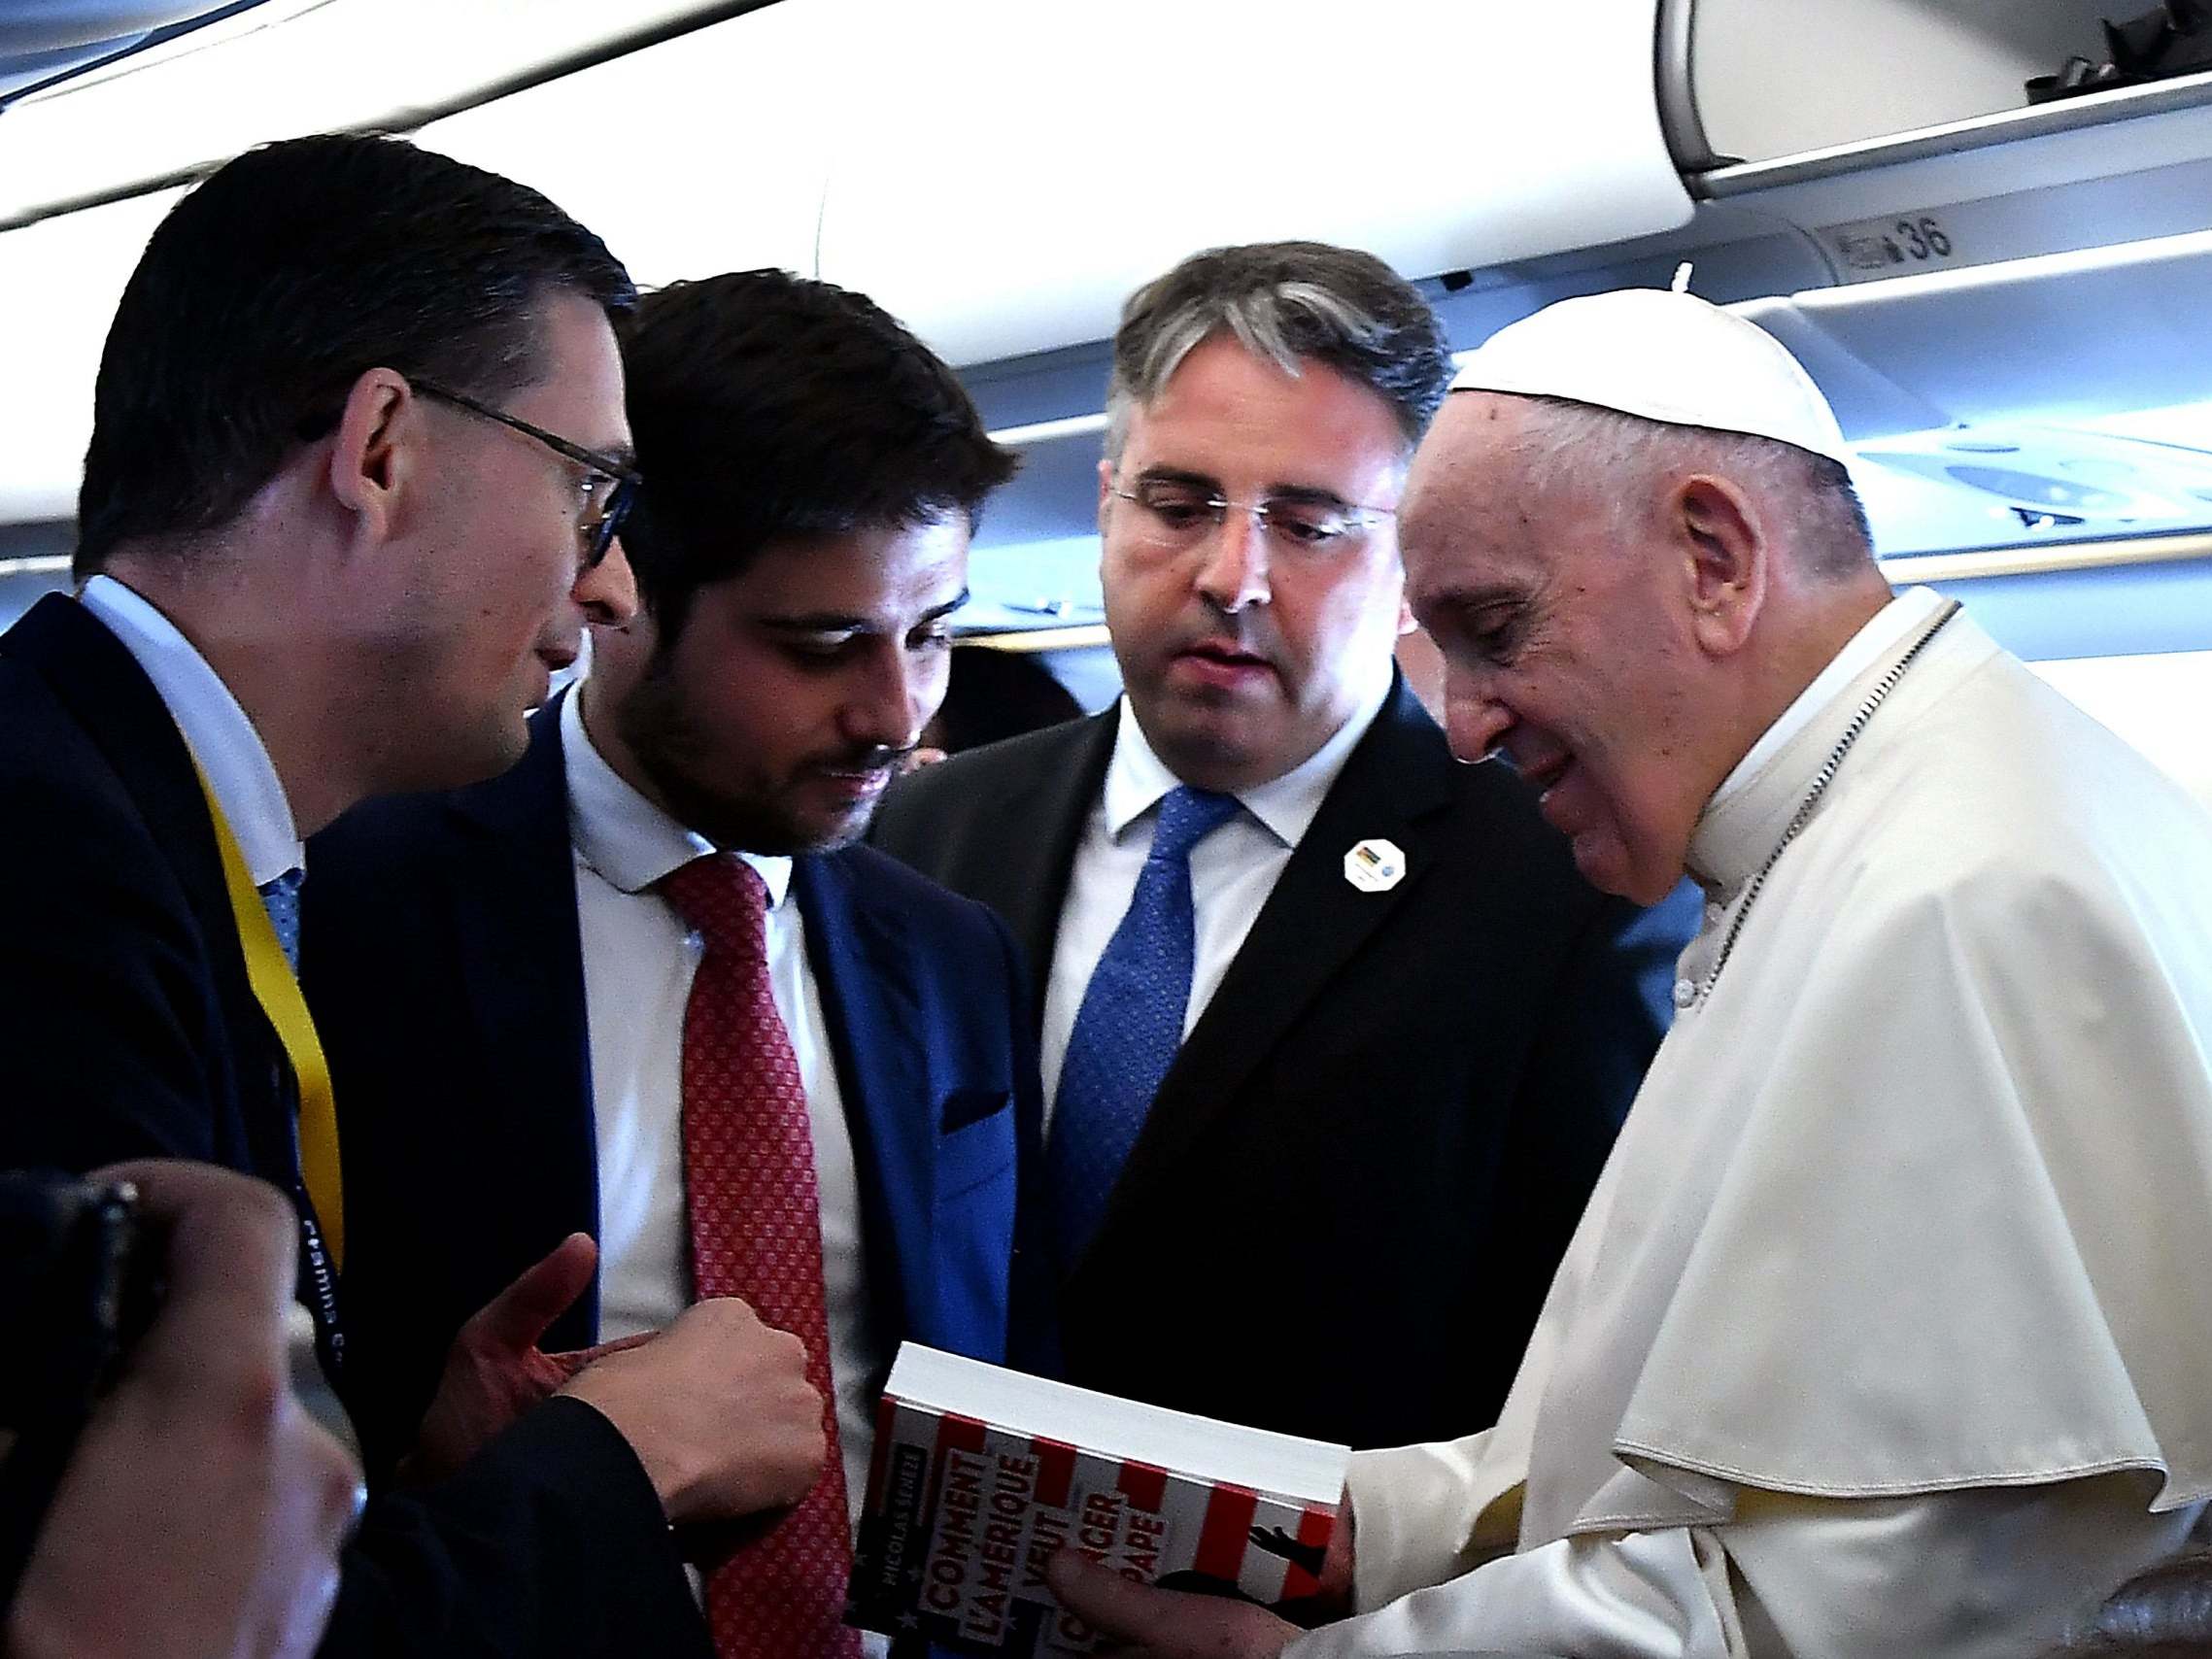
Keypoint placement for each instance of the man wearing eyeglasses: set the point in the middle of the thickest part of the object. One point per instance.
(1335, 1038)
(685, 1014)
(358, 460)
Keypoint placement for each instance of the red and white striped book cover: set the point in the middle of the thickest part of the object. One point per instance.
(982, 1474)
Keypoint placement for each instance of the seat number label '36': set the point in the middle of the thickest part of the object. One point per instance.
(1898, 246)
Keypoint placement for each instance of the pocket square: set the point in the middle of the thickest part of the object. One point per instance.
(964, 1106)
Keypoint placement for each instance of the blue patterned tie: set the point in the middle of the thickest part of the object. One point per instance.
(281, 898)
(1130, 1022)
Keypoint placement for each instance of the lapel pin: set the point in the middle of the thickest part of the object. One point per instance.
(1375, 865)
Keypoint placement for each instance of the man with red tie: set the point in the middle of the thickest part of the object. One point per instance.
(670, 1003)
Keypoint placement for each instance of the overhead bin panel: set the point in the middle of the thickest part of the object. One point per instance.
(701, 155)
(298, 66)
(1774, 80)
(1008, 171)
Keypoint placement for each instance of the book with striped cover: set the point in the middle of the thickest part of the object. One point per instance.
(982, 1474)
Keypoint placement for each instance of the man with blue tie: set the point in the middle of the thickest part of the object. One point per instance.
(673, 1006)
(358, 460)
(1335, 1038)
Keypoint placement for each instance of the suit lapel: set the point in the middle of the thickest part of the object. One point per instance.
(520, 956)
(93, 672)
(1396, 785)
(875, 1024)
(1045, 810)
(95, 675)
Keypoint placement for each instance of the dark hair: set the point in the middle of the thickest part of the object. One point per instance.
(770, 408)
(1286, 301)
(994, 693)
(267, 292)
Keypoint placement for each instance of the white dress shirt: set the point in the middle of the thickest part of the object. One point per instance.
(217, 730)
(638, 963)
(1231, 872)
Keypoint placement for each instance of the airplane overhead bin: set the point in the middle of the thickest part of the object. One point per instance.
(1998, 276)
(1012, 169)
(1769, 80)
(1000, 173)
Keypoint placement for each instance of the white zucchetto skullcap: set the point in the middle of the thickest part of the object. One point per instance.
(1666, 356)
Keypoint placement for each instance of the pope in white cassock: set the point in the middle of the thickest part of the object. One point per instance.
(1887, 1330)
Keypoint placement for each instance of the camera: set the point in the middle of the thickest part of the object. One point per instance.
(76, 1288)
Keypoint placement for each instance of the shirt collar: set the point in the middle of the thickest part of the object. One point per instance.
(215, 726)
(1137, 779)
(1754, 803)
(621, 835)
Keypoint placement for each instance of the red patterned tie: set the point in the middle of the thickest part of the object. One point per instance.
(756, 1232)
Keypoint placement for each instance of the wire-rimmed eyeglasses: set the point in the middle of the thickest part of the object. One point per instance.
(1181, 513)
(610, 488)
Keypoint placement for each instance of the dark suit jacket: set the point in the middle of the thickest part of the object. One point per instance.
(130, 1029)
(1346, 1206)
(442, 962)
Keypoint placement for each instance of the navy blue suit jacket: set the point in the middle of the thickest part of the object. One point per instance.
(443, 962)
(1358, 1175)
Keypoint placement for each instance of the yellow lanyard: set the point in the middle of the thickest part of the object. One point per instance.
(277, 987)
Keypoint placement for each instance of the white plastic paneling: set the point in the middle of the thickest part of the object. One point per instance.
(1781, 79)
(59, 282)
(701, 155)
(299, 66)
(2062, 335)
(1008, 171)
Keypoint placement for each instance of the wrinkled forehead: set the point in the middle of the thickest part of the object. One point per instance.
(1470, 485)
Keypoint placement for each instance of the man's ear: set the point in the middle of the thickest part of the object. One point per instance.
(1105, 492)
(371, 459)
(1725, 555)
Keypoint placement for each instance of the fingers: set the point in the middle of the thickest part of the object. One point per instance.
(330, 1484)
(569, 1361)
(519, 1316)
(1095, 1594)
(1337, 1568)
(718, 1409)
(1142, 1618)
(229, 1247)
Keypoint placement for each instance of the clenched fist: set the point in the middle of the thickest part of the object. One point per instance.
(718, 1409)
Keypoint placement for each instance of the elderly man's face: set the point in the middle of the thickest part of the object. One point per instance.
(1563, 644)
(1243, 650)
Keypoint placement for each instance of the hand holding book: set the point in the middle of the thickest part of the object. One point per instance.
(982, 1477)
(1139, 1620)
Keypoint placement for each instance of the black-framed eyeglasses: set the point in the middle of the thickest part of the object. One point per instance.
(610, 488)
(1179, 513)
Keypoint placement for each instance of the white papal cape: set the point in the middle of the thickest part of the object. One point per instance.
(1888, 1327)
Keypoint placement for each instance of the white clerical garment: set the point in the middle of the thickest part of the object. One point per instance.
(1887, 1330)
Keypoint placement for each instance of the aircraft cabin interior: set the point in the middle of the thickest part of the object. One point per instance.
(1859, 1292)
(1995, 293)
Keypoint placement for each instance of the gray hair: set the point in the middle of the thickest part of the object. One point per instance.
(1571, 444)
(1289, 302)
